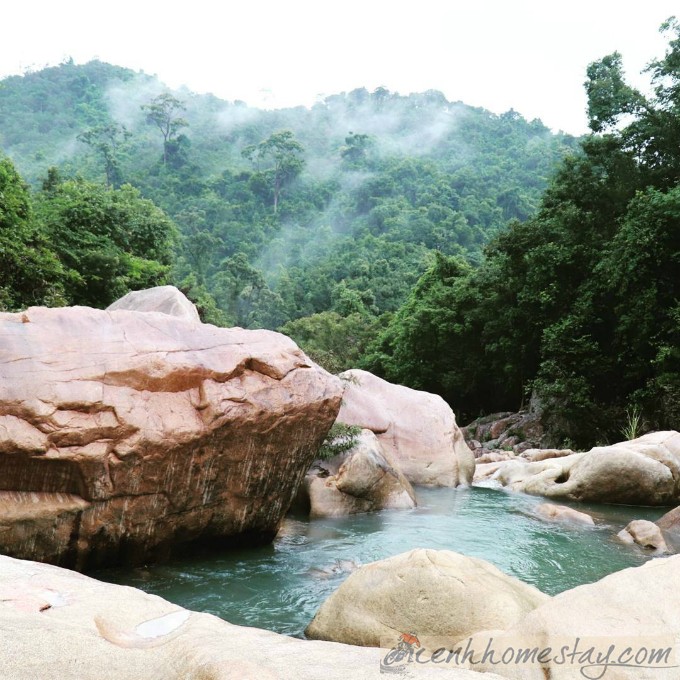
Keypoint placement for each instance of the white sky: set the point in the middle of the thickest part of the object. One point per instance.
(529, 55)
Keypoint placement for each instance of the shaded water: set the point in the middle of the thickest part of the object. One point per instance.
(280, 586)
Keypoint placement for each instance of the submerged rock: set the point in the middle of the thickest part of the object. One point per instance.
(417, 429)
(432, 592)
(59, 625)
(561, 513)
(164, 299)
(644, 471)
(125, 434)
(362, 480)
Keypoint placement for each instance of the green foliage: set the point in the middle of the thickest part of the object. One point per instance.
(335, 342)
(107, 140)
(109, 241)
(163, 112)
(30, 274)
(578, 304)
(340, 439)
(633, 427)
(205, 303)
(278, 160)
(340, 207)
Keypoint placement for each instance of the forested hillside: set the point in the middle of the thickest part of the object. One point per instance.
(283, 215)
(474, 255)
(579, 304)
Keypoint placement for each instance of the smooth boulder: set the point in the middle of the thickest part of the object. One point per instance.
(432, 592)
(125, 435)
(636, 609)
(363, 479)
(670, 528)
(59, 625)
(163, 299)
(646, 534)
(643, 471)
(417, 429)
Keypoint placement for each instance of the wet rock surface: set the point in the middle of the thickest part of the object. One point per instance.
(562, 513)
(124, 435)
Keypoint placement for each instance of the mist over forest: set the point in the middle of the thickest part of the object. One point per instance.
(469, 253)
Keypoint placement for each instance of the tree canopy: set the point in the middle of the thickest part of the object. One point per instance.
(577, 306)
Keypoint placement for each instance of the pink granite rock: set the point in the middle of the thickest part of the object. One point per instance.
(124, 434)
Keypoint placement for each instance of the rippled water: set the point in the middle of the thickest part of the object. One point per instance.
(280, 586)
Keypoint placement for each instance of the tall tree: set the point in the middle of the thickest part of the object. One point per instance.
(110, 241)
(164, 112)
(30, 273)
(278, 160)
(580, 303)
(108, 141)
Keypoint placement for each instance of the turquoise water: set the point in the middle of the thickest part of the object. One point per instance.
(280, 586)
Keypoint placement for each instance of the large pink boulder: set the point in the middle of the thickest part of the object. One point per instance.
(417, 429)
(124, 434)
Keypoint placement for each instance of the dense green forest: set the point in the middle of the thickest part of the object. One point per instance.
(579, 304)
(284, 215)
(475, 255)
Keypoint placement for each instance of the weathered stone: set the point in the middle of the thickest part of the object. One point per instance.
(644, 471)
(417, 429)
(432, 592)
(636, 609)
(125, 434)
(481, 427)
(362, 480)
(646, 534)
(535, 455)
(476, 447)
(507, 442)
(500, 427)
(494, 456)
(163, 299)
(521, 430)
(521, 447)
(670, 526)
(59, 625)
(560, 513)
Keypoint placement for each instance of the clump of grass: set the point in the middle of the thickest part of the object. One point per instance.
(340, 438)
(633, 427)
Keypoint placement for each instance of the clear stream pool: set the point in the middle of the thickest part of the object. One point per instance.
(280, 586)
